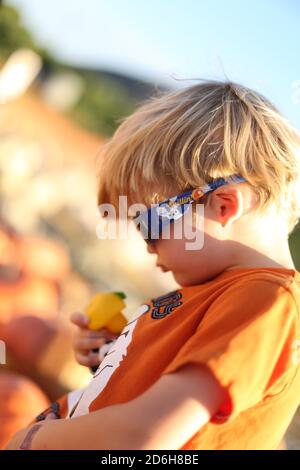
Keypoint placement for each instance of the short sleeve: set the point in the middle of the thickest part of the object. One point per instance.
(245, 339)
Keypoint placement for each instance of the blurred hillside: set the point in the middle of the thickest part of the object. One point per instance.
(95, 99)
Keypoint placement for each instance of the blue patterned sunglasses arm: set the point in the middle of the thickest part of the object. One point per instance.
(152, 221)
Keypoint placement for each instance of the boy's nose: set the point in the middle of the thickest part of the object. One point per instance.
(151, 248)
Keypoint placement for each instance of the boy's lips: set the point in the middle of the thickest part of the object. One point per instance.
(163, 268)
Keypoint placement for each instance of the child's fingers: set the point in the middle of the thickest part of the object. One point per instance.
(105, 333)
(79, 319)
(86, 344)
(88, 360)
(51, 416)
(89, 334)
(80, 333)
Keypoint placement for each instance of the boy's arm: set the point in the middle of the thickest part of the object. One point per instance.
(164, 417)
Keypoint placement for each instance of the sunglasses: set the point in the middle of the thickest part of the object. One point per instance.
(153, 221)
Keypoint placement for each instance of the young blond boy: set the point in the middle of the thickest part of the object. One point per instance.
(214, 364)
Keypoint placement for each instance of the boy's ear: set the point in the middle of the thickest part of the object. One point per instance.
(227, 204)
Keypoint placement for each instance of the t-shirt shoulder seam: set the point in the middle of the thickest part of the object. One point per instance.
(266, 278)
(280, 283)
(288, 289)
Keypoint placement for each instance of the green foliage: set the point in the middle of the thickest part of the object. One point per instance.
(102, 104)
(103, 101)
(13, 35)
(294, 243)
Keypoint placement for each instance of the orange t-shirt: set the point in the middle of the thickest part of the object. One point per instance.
(244, 326)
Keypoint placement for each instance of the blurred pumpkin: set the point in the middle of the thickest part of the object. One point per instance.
(20, 401)
(28, 296)
(44, 258)
(28, 338)
(8, 250)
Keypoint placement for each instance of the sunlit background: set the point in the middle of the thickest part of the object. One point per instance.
(69, 71)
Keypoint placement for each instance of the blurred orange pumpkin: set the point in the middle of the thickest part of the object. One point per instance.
(28, 296)
(20, 401)
(44, 258)
(28, 338)
(8, 251)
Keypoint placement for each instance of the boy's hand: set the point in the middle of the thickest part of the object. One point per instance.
(85, 341)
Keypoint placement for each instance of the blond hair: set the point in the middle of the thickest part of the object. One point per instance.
(188, 137)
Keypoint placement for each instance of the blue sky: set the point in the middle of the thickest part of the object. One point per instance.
(255, 43)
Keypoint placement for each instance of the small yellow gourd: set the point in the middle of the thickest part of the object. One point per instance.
(105, 311)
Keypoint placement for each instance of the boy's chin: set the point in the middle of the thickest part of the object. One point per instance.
(182, 280)
(186, 280)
